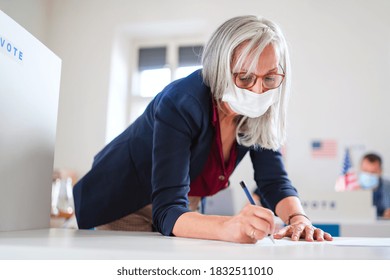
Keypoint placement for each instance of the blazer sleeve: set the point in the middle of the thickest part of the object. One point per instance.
(177, 122)
(271, 177)
(386, 194)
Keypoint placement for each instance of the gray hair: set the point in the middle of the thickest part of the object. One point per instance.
(269, 130)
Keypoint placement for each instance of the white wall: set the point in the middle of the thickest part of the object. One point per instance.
(340, 52)
(32, 15)
(341, 59)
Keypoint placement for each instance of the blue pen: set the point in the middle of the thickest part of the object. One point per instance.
(250, 198)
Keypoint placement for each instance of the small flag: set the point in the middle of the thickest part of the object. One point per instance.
(324, 148)
(347, 180)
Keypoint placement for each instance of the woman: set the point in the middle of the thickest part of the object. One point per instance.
(190, 139)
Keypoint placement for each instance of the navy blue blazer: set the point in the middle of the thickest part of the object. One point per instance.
(157, 156)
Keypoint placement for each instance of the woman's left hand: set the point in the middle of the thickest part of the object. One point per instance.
(304, 230)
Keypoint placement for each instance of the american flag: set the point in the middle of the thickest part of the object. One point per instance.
(347, 180)
(324, 148)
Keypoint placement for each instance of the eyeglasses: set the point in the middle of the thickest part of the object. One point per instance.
(246, 80)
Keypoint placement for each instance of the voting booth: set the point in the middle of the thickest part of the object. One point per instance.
(338, 207)
(29, 93)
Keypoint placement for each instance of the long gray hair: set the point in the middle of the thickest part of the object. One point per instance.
(269, 130)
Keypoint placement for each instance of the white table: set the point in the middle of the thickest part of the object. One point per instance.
(69, 244)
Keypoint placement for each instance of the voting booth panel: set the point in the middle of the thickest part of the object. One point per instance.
(29, 93)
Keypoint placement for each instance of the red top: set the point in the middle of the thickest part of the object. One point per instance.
(216, 172)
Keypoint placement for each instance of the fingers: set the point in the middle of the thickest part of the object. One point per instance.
(328, 236)
(284, 232)
(256, 222)
(297, 232)
(260, 221)
(308, 232)
(262, 226)
(319, 234)
(386, 213)
(250, 237)
(251, 224)
(253, 234)
(264, 215)
(257, 234)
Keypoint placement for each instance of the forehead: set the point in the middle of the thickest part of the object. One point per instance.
(252, 61)
(368, 166)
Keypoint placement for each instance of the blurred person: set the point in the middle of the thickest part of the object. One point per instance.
(370, 178)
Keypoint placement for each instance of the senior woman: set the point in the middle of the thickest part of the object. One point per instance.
(190, 139)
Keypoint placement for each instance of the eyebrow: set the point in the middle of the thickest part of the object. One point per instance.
(273, 70)
(270, 71)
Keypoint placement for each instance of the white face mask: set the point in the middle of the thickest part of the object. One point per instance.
(368, 180)
(248, 103)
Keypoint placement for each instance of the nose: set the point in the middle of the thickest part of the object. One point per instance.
(258, 87)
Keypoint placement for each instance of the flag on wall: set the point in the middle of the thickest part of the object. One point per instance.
(324, 148)
(347, 181)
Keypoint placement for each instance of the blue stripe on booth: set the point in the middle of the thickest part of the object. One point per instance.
(333, 229)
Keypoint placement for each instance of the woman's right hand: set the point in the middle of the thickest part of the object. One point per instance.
(251, 224)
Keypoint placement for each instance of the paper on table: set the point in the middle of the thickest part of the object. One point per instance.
(285, 242)
(361, 242)
(344, 241)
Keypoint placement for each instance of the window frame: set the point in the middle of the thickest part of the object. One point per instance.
(172, 44)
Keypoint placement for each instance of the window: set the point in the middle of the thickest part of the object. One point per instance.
(189, 60)
(158, 66)
(155, 70)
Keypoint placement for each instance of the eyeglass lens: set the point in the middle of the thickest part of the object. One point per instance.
(245, 80)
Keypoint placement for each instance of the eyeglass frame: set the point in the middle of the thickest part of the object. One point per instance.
(261, 77)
